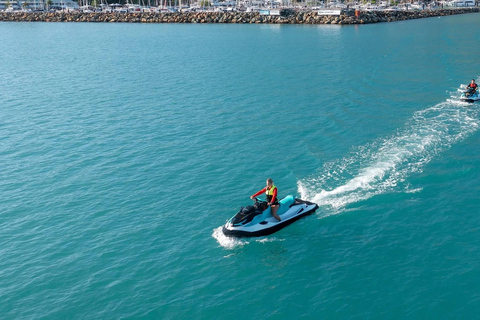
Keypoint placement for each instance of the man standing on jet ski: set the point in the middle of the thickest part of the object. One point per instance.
(471, 88)
(271, 193)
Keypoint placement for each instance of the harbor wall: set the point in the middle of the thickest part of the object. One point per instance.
(292, 17)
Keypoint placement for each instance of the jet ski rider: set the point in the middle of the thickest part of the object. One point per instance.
(471, 88)
(271, 193)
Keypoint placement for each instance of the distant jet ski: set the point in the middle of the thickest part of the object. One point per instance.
(470, 96)
(257, 220)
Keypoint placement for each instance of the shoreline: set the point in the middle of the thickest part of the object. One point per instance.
(299, 17)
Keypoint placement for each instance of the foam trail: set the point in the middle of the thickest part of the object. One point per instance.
(384, 165)
(227, 242)
(232, 243)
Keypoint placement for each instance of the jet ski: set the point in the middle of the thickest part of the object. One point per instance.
(256, 220)
(470, 96)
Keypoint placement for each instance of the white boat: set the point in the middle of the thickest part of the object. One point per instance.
(461, 3)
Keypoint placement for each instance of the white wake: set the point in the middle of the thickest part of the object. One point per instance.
(384, 165)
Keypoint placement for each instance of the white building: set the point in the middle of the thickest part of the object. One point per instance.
(462, 3)
(39, 4)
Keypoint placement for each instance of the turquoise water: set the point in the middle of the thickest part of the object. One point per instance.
(126, 147)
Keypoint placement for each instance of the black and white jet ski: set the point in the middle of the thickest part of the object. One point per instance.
(257, 220)
(470, 96)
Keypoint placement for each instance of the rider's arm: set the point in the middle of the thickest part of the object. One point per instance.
(259, 192)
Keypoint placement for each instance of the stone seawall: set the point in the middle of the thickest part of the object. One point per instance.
(309, 17)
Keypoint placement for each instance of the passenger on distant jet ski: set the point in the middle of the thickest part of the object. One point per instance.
(271, 193)
(471, 89)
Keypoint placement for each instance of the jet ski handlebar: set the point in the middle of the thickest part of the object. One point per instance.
(258, 200)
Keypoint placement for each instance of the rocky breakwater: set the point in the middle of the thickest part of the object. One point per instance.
(287, 17)
(389, 16)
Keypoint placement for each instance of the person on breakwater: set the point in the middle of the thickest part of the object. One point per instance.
(271, 192)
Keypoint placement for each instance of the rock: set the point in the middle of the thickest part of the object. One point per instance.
(287, 16)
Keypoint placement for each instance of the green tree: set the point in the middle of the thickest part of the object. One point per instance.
(49, 4)
(25, 5)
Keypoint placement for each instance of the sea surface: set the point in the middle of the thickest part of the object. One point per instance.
(124, 148)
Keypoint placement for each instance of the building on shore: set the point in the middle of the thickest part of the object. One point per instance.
(38, 4)
(11, 5)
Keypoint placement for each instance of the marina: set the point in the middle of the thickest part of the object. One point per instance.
(263, 7)
(266, 16)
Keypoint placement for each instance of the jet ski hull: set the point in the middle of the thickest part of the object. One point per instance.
(471, 98)
(290, 210)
